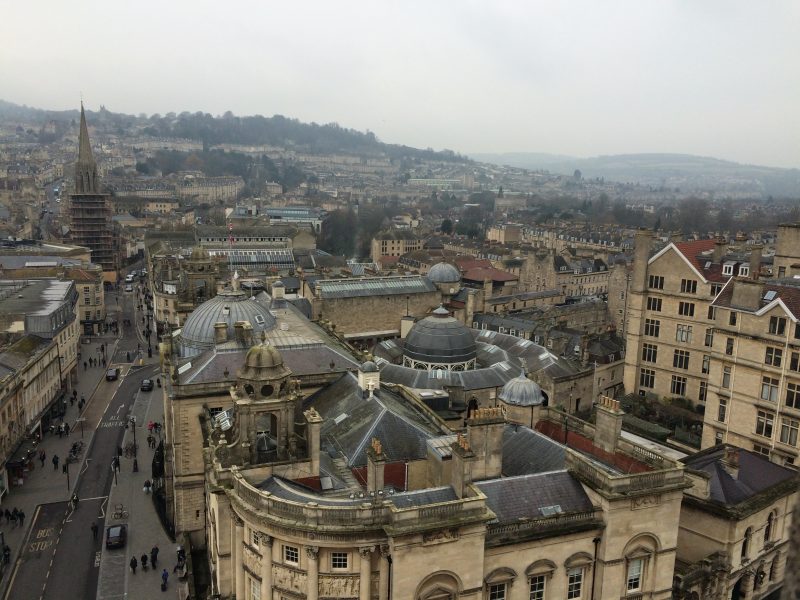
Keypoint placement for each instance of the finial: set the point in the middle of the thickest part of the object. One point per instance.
(263, 337)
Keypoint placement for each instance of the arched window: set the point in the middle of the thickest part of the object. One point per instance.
(769, 530)
(746, 542)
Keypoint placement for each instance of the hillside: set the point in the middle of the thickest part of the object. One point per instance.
(683, 171)
(229, 129)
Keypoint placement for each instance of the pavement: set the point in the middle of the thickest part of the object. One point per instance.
(54, 553)
(116, 580)
(45, 485)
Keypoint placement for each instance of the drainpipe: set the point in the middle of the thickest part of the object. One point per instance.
(596, 542)
(389, 583)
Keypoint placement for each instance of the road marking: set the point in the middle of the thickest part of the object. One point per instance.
(120, 407)
(17, 561)
(97, 559)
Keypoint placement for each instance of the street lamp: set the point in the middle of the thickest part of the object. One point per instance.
(132, 420)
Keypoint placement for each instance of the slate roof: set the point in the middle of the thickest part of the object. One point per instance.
(526, 451)
(484, 273)
(756, 474)
(351, 421)
(534, 496)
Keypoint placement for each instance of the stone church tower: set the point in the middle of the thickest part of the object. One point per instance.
(90, 209)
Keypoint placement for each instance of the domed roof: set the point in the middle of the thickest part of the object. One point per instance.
(263, 362)
(197, 334)
(369, 367)
(521, 391)
(440, 339)
(444, 273)
(199, 253)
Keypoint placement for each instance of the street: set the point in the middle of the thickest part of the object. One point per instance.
(59, 552)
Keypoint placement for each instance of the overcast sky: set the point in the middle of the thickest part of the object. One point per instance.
(714, 78)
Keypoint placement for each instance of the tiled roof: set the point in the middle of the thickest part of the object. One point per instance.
(790, 296)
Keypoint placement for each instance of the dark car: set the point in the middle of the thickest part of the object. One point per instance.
(112, 374)
(116, 536)
(147, 385)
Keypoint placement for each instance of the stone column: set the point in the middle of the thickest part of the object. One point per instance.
(312, 552)
(383, 576)
(266, 567)
(365, 569)
(236, 555)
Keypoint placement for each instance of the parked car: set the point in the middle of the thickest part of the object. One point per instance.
(147, 385)
(116, 536)
(112, 374)
(129, 288)
(129, 278)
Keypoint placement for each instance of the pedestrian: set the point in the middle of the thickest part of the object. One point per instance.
(94, 530)
(154, 556)
(83, 399)
(144, 562)
(42, 457)
(14, 517)
(55, 462)
(149, 441)
(61, 430)
(66, 429)
(71, 400)
(104, 362)
(7, 515)
(164, 578)
(21, 517)
(84, 365)
(134, 563)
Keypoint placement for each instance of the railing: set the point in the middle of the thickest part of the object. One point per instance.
(623, 484)
(553, 522)
(361, 515)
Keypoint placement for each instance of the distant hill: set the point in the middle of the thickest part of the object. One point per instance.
(683, 171)
(253, 130)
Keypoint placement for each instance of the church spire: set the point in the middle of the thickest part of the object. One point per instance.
(85, 167)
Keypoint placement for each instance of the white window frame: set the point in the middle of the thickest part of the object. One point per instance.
(338, 556)
(634, 575)
(575, 587)
(287, 550)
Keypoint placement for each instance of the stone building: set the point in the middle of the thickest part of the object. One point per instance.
(366, 310)
(786, 262)
(753, 380)
(393, 243)
(735, 526)
(670, 327)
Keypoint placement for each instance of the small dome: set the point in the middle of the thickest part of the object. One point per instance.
(369, 367)
(263, 356)
(200, 253)
(440, 339)
(444, 273)
(521, 391)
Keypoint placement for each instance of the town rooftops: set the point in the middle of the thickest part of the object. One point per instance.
(770, 294)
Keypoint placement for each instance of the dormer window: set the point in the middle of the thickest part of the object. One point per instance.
(727, 268)
(744, 270)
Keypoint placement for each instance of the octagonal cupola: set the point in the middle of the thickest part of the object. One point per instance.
(263, 374)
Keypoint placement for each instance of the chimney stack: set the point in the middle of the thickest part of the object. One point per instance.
(730, 461)
(608, 424)
(220, 333)
(314, 424)
(755, 261)
(643, 243)
(376, 461)
(720, 249)
(463, 458)
(485, 436)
